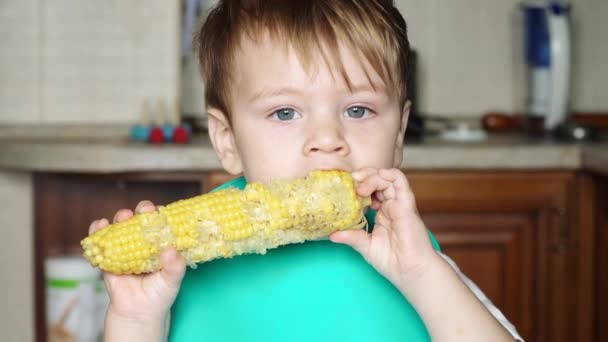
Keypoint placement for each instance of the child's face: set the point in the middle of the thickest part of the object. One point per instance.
(287, 121)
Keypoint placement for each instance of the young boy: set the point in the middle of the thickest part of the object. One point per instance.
(293, 86)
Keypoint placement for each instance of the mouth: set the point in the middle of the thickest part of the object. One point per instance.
(329, 167)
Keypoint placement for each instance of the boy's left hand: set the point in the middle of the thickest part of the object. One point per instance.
(399, 246)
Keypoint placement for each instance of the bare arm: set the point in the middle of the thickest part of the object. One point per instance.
(400, 249)
(119, 328)
(449, 309)
(487, 303)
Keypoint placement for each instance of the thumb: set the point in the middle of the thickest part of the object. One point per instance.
(173, 267)
(358, 239)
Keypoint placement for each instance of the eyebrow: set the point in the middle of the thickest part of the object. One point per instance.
(266, 93)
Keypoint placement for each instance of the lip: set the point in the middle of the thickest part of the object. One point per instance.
(326, 164)
(327, 167)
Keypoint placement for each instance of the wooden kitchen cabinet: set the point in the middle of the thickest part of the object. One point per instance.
(523, 237)
(518, 237)
(66, 204)
(601, 289)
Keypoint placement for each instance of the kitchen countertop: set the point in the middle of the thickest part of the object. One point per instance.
(108, 150)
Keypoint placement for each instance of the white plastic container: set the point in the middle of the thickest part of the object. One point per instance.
(103, 300)
(72, 308)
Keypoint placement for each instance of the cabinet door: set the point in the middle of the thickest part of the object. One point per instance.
(508, 233)
(65, 205)
(602, 262)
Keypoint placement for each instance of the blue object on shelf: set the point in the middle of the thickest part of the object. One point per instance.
(168, 131)
(140, 133)
(538, 48)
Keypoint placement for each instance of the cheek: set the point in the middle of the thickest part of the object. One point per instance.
(275, 139)
(251, 133)
(374, 144)
(374, 151)
(267, 151)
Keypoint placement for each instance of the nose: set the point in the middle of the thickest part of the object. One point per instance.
(326, 137)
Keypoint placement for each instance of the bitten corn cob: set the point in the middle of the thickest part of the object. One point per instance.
(230, 222)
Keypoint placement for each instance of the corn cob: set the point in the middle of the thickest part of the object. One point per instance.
(230, 222)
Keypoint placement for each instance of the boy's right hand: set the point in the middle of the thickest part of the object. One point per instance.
(146, 297)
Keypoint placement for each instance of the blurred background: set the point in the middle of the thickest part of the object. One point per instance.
(518, 202)
(69, 61)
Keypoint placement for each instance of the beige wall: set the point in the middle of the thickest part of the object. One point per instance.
(16, 257)
(97, 61)
(86, 61)
(471, 55)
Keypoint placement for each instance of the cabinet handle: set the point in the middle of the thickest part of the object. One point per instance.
(562, 243)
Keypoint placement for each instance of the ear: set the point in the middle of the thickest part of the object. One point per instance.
(222, 139)
(405, 114)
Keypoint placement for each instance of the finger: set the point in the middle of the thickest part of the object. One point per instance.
(386, 184)
(382, 220)
(144, 207)
(97, 225)
(402, 190)
(93, 227)
(379, 196)
(173, 268)
(396, 177)
(375, 204)
(122, 214)
(371, 184)
(358, 239)
(363, 173)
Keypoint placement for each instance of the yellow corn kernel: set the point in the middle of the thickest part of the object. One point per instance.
(231, 222)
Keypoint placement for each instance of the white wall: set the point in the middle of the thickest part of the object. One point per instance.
(91, 61)
(19, 60)
(16, 257)
(472, 60)
(86, 61)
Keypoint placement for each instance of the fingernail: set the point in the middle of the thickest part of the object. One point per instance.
(357, 175)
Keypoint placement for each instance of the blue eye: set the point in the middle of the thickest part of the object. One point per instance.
(357, 112)
(285, 114)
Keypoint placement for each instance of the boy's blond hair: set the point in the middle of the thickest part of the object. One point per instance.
(372, 29)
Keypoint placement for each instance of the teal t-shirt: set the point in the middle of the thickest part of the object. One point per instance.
(314, 291)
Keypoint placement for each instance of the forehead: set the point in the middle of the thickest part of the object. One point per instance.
(271, 63)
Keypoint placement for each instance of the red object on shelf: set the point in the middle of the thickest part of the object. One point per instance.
(157, 136)
(181, 135)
